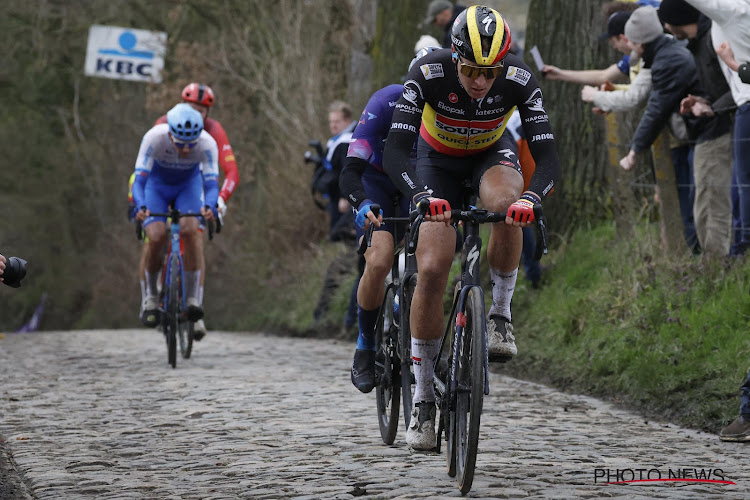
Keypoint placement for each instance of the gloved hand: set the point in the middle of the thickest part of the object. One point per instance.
(521, 212)
(439, 210)
(222, 206)
(361, 217)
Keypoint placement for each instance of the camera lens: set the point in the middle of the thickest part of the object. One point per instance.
(15, 270)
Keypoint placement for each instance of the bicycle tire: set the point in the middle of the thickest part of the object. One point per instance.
(448, 404)
(185, 337)
(387, 365)
(407, 370)
(173, 301)
(469, 390)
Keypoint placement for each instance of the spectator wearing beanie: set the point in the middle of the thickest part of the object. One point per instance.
(712, 159)
(672, 77)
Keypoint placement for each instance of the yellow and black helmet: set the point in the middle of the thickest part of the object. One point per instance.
(481, 35)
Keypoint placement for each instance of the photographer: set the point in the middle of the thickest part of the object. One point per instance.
(12, 270)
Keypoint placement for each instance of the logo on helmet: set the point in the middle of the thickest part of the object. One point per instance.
(487, 21)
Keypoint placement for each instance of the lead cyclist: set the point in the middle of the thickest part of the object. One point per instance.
(457, 101)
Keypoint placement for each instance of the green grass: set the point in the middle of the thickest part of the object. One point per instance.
(621, 320)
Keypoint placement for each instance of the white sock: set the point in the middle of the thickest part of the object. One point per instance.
(503, 285)
(192, 284)
(143, 290)
(423, 353)
(152, 284)
(200, 295)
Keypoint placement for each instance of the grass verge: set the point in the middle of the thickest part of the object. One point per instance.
(623, 321)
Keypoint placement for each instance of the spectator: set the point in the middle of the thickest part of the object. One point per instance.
(731, 24)
(712, 157)
(672, 76)
(615, 34)
(341, 126)
(442, 13)
(628, 97)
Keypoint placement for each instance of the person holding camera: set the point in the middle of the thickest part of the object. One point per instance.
(12, 271)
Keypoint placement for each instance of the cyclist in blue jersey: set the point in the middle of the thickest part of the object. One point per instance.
(177, 162)
(364, 183)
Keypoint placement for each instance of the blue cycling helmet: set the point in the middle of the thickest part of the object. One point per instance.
(423, 52)
(185, 123)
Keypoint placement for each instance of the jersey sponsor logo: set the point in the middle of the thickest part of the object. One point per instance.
(491, 99)
(535, 101)
(463, 127)
(482, 112)
(405, 108)
(412, 89)
(508, 153)
(537, 119)
(431, 71)
(403, 126)
(542, 137)
(371, 116)
(507, 163)
(517, 74)
(408, 180)
(391, 103)
(455, 111)
(452, 97)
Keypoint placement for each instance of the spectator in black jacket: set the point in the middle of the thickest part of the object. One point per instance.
(712, 159)
(673, 77)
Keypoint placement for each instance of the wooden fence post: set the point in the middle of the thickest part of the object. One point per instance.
(672, 227)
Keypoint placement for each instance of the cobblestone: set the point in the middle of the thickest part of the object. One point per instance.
(100, 414)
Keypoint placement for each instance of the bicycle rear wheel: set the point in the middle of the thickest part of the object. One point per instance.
(173, 299)
(387, 365)
(469, 390)
(185, 337)
(404, 349)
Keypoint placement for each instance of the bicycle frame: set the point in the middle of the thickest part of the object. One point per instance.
(173, 253)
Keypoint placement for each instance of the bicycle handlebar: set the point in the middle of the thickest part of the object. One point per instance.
(175, 214)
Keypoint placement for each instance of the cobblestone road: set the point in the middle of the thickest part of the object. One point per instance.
(100, 414)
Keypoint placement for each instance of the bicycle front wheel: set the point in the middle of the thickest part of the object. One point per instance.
(469, 393)
(174, 296)
(387, 365)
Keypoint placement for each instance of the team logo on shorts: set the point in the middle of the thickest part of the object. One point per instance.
(452, 97)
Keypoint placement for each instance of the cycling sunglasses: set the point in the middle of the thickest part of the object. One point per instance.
(471, 71)
(181, 145)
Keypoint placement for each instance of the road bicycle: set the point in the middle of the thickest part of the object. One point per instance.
(461, 368)
(394, 375)
(176, 326)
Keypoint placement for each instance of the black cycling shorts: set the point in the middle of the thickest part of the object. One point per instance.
(445, 175)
